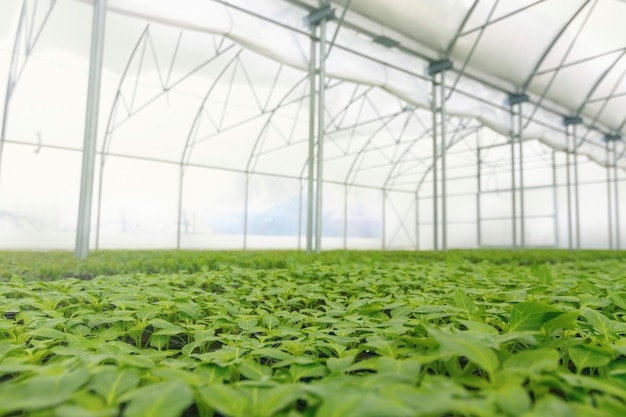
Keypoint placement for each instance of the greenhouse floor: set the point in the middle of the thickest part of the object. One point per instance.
(379, 334)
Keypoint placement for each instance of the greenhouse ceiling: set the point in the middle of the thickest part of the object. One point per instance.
(568, 56)
(247, 107)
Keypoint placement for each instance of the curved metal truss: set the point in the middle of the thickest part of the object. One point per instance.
(428, 174)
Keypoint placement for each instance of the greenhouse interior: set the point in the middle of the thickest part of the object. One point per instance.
(295, 124)
(313, 208)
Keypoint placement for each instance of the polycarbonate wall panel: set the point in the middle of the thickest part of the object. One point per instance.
(461, 236)
(496, 233)
(594, 228)
(138, 206)
(400, 221)
(38, 198)
(213, 208)
(273, 213)
(539, 232)
(364, 218)
(333, 218)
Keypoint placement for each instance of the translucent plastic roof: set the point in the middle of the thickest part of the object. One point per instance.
(191, 87)
(567, 55)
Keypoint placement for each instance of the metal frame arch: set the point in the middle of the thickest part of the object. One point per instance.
(599, 81)
(459, 31)
(556, 71)
(453, 142)
(547, 51)
(15, 72)
(188, 147)
(254, 156)
(108, 135)
(365, 148)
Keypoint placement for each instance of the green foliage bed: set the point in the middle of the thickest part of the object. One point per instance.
(480, 333)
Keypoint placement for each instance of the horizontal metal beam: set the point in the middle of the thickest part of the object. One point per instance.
(612, 138)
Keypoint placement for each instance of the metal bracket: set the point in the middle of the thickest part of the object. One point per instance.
(518, 98)
(572, 120)
(436, 67)
(386, 41)
(611, 138)
(318, 15)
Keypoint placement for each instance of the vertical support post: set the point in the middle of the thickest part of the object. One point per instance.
(246, 197)
(435, 182)
(573, 216)
(616, 193)
(569, 193)
(513, 195)
(555, 203)
(608, 190)
(444, 193)
(345, 217)
(99, 200)
(91, 128)
(521, 179)
(436, 70)
(320, 137)
(417, 221)
(317, 73)
(611, 162)
(311, 162)
(300, 216)
(384, 221)
(180, 205)
(515, 102)
(576, 189)
(478, 191)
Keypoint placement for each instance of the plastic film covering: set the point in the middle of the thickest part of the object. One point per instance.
(204, 118)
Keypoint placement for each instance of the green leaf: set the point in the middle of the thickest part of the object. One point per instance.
(247, 323)
(312, 370)
(360, 403)
(111, 383)
(564, 321)
(41, 391)
(80, 411)
(601, 324)
(254, 371)
(225, 399)
(408, 368)
(464, 302)
(542, 272)
(470, 347)
(551, 407)
(514, 400)
(266, 402)
(533, 361)
(619, 299)
(166, 399)
(339, 365)
(438, 396)
(382, 346)
(588, 357)
(530, 316)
